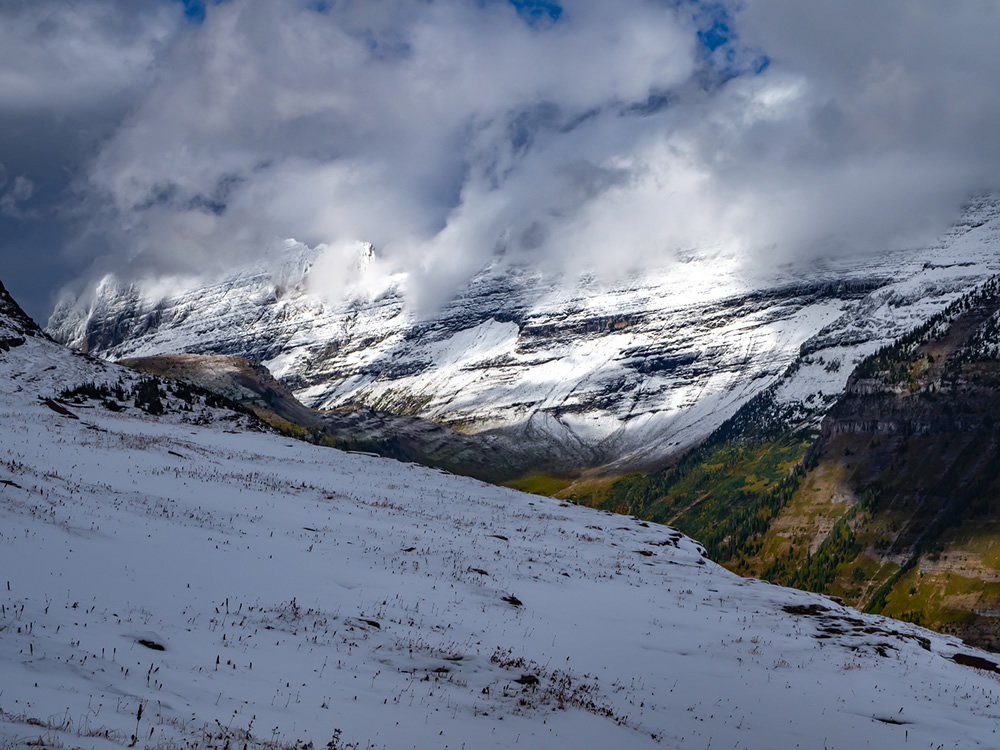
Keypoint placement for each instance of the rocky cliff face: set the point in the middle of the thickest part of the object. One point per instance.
(622, 373)
(897, 510)
(14, 323)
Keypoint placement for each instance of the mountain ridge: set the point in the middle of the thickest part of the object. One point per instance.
(14, 322)
(623, 375)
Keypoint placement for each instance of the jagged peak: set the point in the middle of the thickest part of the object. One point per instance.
(366, 256)
(14, 322)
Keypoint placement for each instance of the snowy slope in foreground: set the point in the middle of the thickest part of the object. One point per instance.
(301, 594)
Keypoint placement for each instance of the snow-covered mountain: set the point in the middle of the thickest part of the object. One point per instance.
(15, 326)
(177, 579)
(626, 372)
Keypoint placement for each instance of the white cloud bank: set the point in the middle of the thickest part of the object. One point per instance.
(607, 139)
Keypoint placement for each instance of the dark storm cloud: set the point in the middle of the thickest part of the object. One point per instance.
(580, 134)
(68, 73)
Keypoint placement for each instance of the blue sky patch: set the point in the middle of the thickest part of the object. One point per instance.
(714, 24)
(721, 48)
(194, 10)
(714, 37)
(538, 11)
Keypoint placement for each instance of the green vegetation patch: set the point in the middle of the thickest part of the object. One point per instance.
(540, 484)
(723, 495)
(939, 600)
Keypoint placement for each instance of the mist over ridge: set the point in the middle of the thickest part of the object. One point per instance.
(578, 137)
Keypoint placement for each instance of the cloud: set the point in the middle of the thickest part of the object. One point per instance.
(69, 71)
(64, 56)
(374, 121)
(891, 126)
(412, 126)
(12, 200)
(578, 136)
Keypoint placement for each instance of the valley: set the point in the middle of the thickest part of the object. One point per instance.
(176, 574)
(803, 452)
(615, 375)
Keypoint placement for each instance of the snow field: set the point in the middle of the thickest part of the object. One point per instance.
(301, 595)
